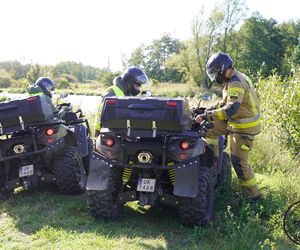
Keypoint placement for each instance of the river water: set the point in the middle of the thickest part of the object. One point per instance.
(88, 104)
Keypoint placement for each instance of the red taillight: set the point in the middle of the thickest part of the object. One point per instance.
(183, 156)
(171, 104)
(50, 131)
(32, 99)
(109, 142)
(184, 145)
(111, 102)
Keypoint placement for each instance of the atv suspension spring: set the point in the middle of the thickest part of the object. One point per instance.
(127, 174)
(171, 173)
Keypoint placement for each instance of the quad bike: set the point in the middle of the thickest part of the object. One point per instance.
(36, 147)
(149, 151)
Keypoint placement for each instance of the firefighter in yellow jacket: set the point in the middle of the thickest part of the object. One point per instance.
(238, 115)
(128, 84)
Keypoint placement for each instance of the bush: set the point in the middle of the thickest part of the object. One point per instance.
(4, 98)
(280, 102)
(5, 82)
(69, 78)
(62, 83)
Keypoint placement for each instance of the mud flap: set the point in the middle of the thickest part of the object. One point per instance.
(98, 173)
(186, 180)
(81, 135)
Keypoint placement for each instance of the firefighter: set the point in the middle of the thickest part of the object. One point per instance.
(45, 86)
(237, 115)
(128, 84)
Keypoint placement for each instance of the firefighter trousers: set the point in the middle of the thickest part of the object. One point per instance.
(240, 146)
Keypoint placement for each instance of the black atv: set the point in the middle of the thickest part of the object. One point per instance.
(36, 147)
(149, 151)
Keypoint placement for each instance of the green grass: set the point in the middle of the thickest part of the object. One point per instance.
(44, 219)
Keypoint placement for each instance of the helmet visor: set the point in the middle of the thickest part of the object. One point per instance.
(212, 76)
(212, 73)
(142, 79)
(49, 86)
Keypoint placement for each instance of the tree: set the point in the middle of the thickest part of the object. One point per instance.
(15, 69)
(34, 73)
(290, 34)
(152, 58)
(206, 33)
(234, 12)
(260, 46)
(137, 57)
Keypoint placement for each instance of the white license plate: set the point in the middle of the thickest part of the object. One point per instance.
(146, 185)
(26, 171)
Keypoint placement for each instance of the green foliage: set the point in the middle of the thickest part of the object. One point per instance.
(4, 98)
(153, 57)
(4, 82)
(107, 77)
(34, 73)
(280, 102)
(62, 83)
(69, 78)
(15, 69)
(76, 70)
(259, 46)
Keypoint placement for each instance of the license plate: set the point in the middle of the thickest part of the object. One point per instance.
(146, 185)
(26, 171)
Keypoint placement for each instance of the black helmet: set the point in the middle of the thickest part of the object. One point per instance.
(217, 65)
(46, 84)
(133, 77)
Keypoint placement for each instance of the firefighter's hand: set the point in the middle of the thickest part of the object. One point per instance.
(198, 119)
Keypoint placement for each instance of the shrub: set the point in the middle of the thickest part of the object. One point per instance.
(280, 102)
(62, 83)
(4, 98)
(5, 82)
(69, 78)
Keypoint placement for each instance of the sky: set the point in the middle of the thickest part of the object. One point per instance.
(98, 33)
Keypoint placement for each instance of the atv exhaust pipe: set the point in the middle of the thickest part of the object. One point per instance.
(145, 157)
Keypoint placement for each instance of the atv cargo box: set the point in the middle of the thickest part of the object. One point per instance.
(25, 111)
(147, 113)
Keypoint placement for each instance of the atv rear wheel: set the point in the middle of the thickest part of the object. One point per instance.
(199, 210)
(86, 159)
(104, 203)
(224, 178)
(69, 172)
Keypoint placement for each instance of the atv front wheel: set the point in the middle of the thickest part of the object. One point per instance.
(104, 203)
(69, 172)
(198, 211)
(224, 178)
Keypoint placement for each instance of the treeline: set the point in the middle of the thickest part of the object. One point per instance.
(259, 47)
(16, 75)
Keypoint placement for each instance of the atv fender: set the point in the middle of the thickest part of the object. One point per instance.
(186, 179)
(81, 135)
(99, 170)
